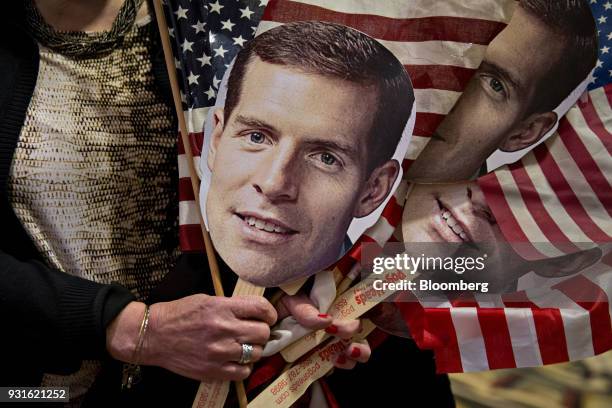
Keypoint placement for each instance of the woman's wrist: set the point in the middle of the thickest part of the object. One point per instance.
(122, 334)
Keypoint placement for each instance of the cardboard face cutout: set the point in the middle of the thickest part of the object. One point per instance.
(302, 152)
(514, 99)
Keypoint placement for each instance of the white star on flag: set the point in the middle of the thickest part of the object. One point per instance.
(602, 19)
(239, 41)
(220, 52)
(171, 32)
(227, 25)
(210, 93)
(204, 60)
(199, 27)
(215, 7)
(246, 12)
(605, 50)
(599, 64)
(263, 3)
(187, 46)
(608, 5)
(193, 79)
(181, 13)
(177, 63)
(216, 82)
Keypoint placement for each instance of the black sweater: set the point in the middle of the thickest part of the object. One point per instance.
(50, 320)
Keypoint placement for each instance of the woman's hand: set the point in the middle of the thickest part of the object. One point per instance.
(197, 336)
(305, 312)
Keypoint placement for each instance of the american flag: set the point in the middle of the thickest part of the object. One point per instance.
(441, 44)
(602, 11)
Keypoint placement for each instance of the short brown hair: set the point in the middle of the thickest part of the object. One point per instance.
(333, 50)
(573, 22)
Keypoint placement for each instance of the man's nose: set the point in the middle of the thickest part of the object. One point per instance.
(277, 177)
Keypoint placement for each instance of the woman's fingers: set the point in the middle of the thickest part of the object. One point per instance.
(236, 353)
(354, 353)
(305, 312)
(344, 363)
(345, 329)
(234, 371)
(252, 332)
(359, 352)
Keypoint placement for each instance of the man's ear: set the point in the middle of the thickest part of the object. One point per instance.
(567, 264)
(530, 131)
(215, 137)
(377, 188)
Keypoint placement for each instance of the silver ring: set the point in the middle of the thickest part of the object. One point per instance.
(247, 353)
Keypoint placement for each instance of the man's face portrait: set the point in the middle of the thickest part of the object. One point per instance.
(288, 172)
(500, 107)
(293, 163)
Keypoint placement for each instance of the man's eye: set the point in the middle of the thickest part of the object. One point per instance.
(328, 159)
(256, 137)
(496, 85)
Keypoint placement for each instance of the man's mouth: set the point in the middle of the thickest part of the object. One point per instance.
(452, 223)
(266, 224)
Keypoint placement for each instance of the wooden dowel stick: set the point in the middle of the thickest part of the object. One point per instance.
(195, 182)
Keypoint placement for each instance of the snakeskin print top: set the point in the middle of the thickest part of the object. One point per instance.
(93, 176)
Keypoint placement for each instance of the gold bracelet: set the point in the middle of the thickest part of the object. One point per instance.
(131, 371)
(141, 335)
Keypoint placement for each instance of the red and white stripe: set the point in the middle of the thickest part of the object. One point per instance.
(190, 232)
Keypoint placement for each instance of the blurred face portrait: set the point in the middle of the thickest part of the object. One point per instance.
(496, 109)
(458, 213)
(289, 172)
(455, 213)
